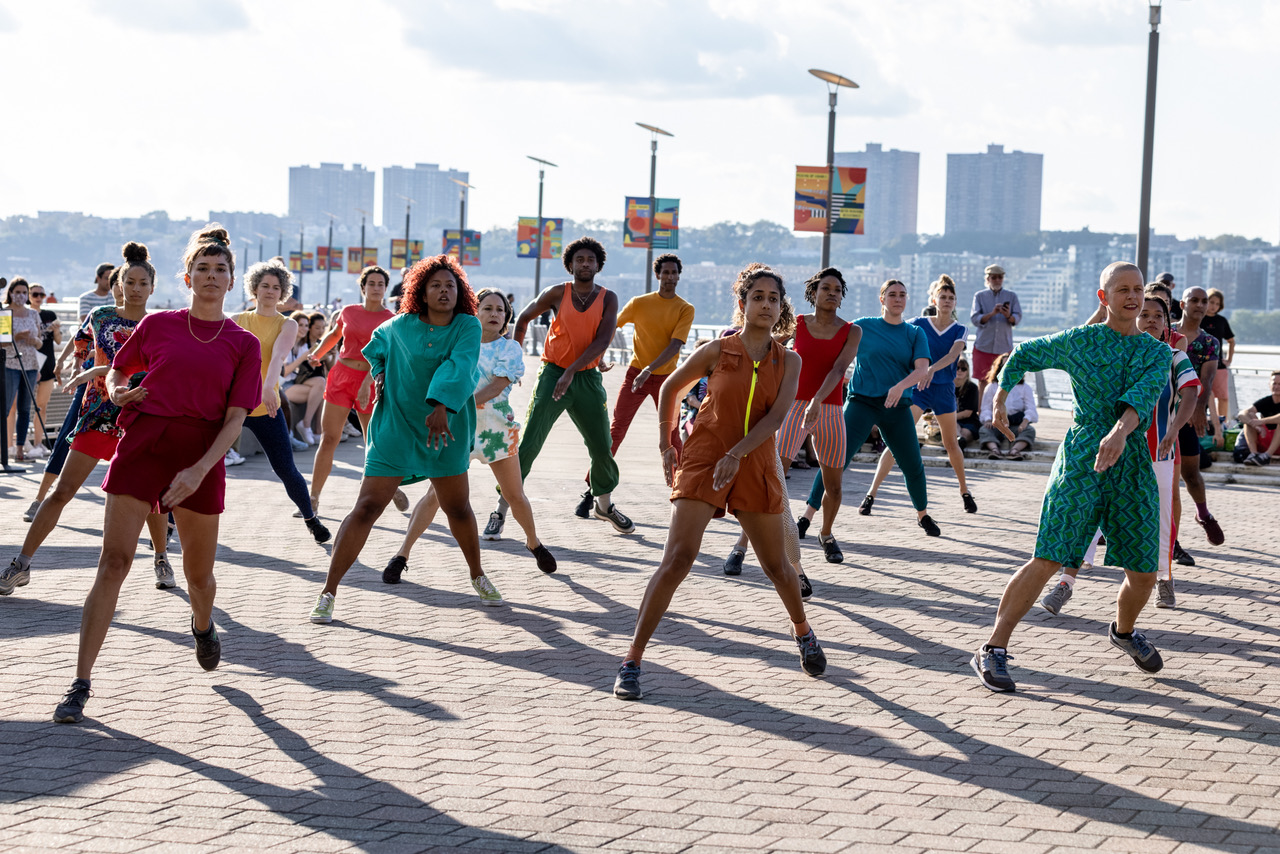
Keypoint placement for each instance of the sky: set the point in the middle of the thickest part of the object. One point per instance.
(120, 107)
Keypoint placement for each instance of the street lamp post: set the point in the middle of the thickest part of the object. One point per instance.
(834, 82)
(408, 206)
(1149, 139)
(537, 247)
(328, 261)
(363, 214)
(302, 257)
(653, 202)
(463, 186)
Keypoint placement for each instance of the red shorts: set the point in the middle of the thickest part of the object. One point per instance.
(343, 384)
(91, 443)
(154, 449)
(981, 364)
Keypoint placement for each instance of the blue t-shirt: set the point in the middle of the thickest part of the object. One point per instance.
(886, 354)
(940, 345)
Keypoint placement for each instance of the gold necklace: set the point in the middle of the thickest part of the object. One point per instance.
(197, 337)
(582, 301)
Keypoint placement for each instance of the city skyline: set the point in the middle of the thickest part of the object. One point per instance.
(1065, 80)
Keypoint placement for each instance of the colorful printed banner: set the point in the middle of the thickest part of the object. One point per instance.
(355, 263)
(848, 191)
(470, 248)
(527, 234)
(397, 253)
(666, 231)
(299, 263)
(329, 258)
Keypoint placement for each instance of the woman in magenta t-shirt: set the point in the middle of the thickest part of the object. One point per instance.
(203, 377)
(349, 384)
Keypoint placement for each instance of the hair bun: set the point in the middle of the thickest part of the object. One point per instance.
(947, 280)
(135, 253)
(214, 233)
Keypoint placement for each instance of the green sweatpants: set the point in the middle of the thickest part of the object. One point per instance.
(588, 407)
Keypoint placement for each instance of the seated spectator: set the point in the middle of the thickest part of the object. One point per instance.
(968, 405)
(1021, 406)
(1260, 437)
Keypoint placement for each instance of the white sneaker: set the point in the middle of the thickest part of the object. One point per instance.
(232, 458)
(308, 436)
(34, 452)
(297, 444)
(348, 430)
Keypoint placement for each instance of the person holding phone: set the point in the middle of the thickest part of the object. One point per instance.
(995, 312)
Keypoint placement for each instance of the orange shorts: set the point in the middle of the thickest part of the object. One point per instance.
(343, 384)
(755, 489)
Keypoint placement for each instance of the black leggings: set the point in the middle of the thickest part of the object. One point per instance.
(273, 435)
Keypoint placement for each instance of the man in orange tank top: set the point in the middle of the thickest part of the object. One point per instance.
(586, 316)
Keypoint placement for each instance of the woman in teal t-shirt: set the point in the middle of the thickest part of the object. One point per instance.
(892, 358)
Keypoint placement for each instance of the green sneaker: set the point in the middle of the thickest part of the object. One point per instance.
(489, 594)
(323, 611)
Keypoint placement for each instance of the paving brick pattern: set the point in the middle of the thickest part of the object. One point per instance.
(421, 720)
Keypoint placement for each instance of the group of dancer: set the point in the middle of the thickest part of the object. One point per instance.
(170, 391)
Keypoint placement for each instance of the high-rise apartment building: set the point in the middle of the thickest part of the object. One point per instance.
(435, 195)
(996, 192)
(315, 194)
(893, 192)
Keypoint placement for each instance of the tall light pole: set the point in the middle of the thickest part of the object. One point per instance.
(463, 186)
(653, 202)
(363, 214)
(834, 82)
(408, 207)
(537, 250)
(328, 260)
(262, 240)
(302, 257)
(1149, 139)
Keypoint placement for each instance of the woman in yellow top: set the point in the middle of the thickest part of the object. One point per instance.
(268, 283)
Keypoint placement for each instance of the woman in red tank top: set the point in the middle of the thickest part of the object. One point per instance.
(349, 384)
(728, 463)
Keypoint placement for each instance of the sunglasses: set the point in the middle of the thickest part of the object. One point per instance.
(35, 294)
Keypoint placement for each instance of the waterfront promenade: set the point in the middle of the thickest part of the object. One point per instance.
(421, 720)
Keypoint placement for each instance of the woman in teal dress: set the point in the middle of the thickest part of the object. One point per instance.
(424, 364)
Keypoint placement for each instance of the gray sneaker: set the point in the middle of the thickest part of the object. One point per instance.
(493, 531)
(1138, 648)
(30, 515)
(991, 664)
(1057, 597)
(615, 517)
(13, 577)
(164, 574)
(1165, 597)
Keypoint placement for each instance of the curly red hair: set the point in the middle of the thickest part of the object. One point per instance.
(413, 300)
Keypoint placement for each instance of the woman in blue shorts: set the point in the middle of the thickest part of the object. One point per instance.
(937, 392)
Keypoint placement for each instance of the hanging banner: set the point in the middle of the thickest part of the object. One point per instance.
(354, 262)
(370, 257)
(397, 253)
(470, 247)
(299, 263)
(848, 191)
(329, 258)
(527, 236)
(666, 227)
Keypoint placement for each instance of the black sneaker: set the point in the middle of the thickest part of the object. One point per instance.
(71, 709)
(865, 509)
(583, 510)
(545, 559)
(930, 527)
(627, 685)
(992, 666)
(812, 659)
(395, 568)
(806, 589)
(802, 527)
(493, 530)
(1180, 556)
(208, 646)
(733, 563)
(318, 531)
(615, 517)
(1137, 647)
(831, 550)
(970, 506)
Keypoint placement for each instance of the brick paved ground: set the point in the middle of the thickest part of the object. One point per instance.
(420, 719)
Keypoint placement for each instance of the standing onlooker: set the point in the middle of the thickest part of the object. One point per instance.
(1202, 349)
(995, 312)
(1217, 325)
(51, 334)
(101, 293)
(20, 365)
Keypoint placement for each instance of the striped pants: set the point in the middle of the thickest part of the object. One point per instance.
(829, 435)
